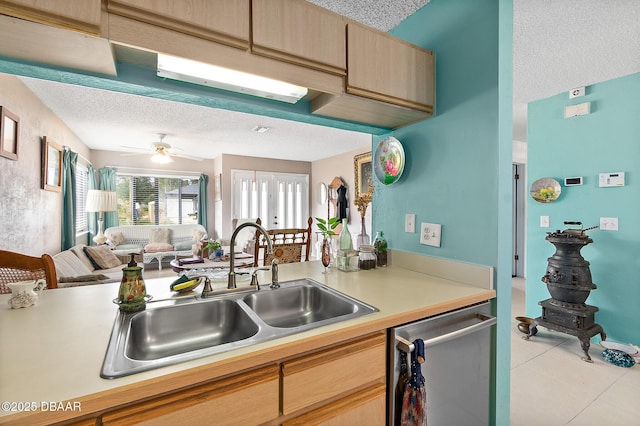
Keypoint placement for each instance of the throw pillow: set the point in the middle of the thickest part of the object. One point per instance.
(117, 238)
(198, 234)
(69, 265)
(185, 245)
(160, 235)
(83, 278)
(102, 257)
(78, 250)
(158, 247)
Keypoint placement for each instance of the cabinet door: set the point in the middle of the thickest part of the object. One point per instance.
(367, 407)
(249, 398)
(222, 21)
(299, 32)
(333, 372)
(79, 15)
(388, 69)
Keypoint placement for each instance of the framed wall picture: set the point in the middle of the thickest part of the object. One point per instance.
(362, 173)
(51, 165)
(9, 132)
(217, 187)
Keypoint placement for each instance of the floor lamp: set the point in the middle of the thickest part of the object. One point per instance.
(101, 201)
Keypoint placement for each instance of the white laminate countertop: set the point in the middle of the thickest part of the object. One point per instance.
(54, 351)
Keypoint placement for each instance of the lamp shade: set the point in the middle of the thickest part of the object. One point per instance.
(101, 201)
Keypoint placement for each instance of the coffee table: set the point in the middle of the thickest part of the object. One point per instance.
(242, 260)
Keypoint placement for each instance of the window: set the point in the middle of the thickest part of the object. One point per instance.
(82, 177)
(280, 200)
(156, 200)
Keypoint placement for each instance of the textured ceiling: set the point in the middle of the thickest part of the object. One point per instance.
(557, 44)
(562, 44)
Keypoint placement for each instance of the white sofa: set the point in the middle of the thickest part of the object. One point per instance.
(74, 268)
(133, 238)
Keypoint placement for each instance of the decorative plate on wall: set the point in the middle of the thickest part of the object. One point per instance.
(388, 161)
(545, 190)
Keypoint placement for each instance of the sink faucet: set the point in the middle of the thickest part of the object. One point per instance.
(232, 273)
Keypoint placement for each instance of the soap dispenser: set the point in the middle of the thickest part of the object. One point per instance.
(132, 295)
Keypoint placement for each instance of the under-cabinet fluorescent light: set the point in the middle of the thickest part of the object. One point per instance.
(223, 78)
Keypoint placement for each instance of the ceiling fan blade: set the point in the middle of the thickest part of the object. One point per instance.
(188, 157)
(130, 154)
(134, 148)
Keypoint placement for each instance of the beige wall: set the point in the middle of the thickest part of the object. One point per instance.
(323, 171)
(30, 217)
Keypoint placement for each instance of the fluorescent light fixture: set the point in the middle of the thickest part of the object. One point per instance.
(223, 78)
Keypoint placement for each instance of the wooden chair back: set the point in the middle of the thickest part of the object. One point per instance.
(289, 245)
(16, 267)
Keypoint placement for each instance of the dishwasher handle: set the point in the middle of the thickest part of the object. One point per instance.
(486, 321)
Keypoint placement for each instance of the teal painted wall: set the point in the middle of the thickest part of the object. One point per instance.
(458, 163)
(607, 140)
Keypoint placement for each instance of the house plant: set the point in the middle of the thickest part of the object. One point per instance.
(215, 250)
(326, 228)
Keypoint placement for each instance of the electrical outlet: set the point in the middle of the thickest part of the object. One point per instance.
(410, 223)
(430, 234)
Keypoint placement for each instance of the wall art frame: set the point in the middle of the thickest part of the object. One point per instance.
(363, 172)
(51, 165)
(9, 134)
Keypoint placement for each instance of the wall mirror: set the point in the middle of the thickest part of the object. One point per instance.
(51, 165)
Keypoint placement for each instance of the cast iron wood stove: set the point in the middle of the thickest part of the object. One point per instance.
(568, 279)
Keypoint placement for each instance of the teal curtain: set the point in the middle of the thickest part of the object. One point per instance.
(107, 182)
(202, 200)
(92, 217)
(69, 161)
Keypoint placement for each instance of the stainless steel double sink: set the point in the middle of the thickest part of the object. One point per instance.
(192, 328)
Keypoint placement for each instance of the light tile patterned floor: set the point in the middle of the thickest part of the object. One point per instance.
(551, 385)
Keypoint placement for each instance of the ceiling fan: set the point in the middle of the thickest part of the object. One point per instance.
(162, 152)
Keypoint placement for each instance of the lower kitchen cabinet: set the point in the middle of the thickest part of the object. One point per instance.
(340, 374)
(367, 407)
(244, 399)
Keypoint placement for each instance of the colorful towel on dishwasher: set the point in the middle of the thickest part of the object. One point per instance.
(414, 401)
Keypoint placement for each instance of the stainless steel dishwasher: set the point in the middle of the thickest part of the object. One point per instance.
(457, 347)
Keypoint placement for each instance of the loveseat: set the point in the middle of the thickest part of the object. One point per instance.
(155, 241)
(83, 265)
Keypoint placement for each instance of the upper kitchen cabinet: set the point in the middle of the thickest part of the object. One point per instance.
(222, 21)
(388, 69)
(301, 33)
(389, 82)
(77, 15)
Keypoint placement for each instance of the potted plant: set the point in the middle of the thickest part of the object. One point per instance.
(326, 228)
(215, 250)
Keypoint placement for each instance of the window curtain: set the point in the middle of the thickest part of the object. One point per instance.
(107, 182)
(69, 162)
(202, 200)
(92, 217)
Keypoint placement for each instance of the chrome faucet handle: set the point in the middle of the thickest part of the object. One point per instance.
(274, 274)
(254, 277)
(207, 290)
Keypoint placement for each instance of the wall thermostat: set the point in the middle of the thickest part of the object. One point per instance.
(612, 179)
(573, 181)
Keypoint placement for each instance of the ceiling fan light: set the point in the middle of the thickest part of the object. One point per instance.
(161, 158)
(223, 78)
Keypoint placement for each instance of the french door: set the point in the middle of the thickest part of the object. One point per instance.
(280, 200)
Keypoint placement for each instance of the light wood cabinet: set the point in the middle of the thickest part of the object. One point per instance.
(388, 69)
(78, 15)
(222, 21)
(299, 32)
(367, 407)
(247, 398)
(338, 373)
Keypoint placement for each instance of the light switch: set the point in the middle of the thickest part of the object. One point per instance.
(609, 223)
(544, 221)
(410, 223)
